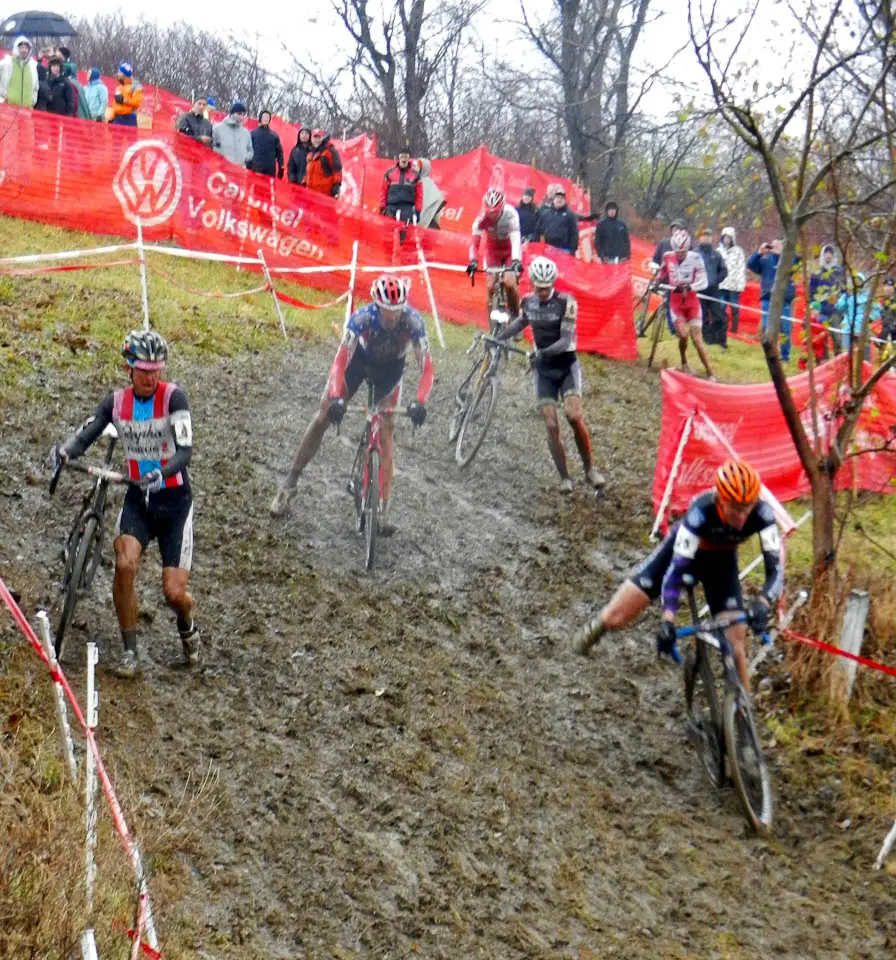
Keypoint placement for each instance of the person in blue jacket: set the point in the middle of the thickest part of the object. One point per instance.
(853, 305)
(765, 263)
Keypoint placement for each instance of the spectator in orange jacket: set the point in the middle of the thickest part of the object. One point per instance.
(127, 100)
(323, 173)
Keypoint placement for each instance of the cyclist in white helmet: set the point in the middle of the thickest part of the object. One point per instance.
(683, 270)
(376, 340)
(499, 223)
(556, 372)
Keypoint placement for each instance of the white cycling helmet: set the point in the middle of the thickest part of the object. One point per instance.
(543, 272)
(680, 240)
(389, 291)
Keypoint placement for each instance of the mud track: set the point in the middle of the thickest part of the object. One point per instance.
(413, 762)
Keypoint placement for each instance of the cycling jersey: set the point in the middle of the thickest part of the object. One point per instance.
(382, 347)
(553, 328)
(156, 433)
(690, 272)
(502, 237)
(704, 546)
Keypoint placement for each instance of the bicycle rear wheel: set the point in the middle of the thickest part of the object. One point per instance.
(476, 422)
(84, 555)
(659, 321)
(371, 508)
(704, 714)
(462, 403)
(748, 767)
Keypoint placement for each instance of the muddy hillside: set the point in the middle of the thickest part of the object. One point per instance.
(413, 763)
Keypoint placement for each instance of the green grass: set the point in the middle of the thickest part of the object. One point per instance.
(741, 363)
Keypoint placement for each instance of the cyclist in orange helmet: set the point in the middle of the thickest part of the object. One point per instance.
(703, 545)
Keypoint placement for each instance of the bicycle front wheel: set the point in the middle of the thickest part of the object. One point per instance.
(748, 767)
(476, 422)
(84, 555)
(371, 509)
(462, 403)
(355, 483)
(704, 714)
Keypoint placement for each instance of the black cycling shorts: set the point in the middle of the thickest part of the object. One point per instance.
(552, 385)
(385, 377)
(715, 569)
(168, 518)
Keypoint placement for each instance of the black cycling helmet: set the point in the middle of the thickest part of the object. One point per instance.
(145, 350)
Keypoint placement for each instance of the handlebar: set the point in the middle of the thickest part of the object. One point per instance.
(103, 473)
(504, 345)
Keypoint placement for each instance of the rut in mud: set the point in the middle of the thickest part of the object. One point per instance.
(413, 762)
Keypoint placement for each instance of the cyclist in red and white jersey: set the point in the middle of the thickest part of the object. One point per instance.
(499, 223)
(684, 271)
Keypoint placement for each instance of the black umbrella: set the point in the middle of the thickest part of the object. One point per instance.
(36, 23)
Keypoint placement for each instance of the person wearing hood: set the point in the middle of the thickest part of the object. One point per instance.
(530, 217)
(298, 157)
(853, 304)
(96, 95)
(715, 322)
(231, 139)
(826, 286)
(56, 91)
(19, 81)
(70, 72)
(323, 171)
(267, 150)
(127, 99)
(433, 199)
(611, 236)
(195, 124)
(735, 282)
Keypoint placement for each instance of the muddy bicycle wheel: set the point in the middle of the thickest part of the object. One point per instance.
(462, 403)
(704, 714)
(748, 767)
(658, 318)
(84, 555)
(371, 509)
(355, 485)
(476, 422)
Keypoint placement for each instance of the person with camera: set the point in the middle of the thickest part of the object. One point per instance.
(764, 262)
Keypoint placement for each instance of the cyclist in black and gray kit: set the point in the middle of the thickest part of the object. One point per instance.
(152, 419)
(556, 369)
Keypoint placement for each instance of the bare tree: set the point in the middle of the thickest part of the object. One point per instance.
(809, 139)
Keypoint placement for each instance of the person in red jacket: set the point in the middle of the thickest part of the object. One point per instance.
(323, 172)
(401, 193)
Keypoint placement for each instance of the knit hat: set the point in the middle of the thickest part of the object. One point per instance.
(211, 101)
(94, 74)
(126, 69)
(237, 107)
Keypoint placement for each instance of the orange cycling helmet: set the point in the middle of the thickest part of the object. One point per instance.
(737, 483)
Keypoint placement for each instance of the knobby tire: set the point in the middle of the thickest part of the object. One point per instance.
(357, 481)
(704, 713)
(371, 508)
(748, 767)
(83, 557)
(659, 321)
(483, 404)
(461, 408)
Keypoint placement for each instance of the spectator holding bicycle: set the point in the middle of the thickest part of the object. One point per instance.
(374, 346)
(558, 376)
(704, 546)
(152, 419)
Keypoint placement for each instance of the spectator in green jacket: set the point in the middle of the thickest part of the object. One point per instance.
(19, 82)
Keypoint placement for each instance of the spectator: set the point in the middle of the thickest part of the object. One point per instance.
(715, 320)
(611, 236)
(231, 139)
(665, 245)
(888, 314)
(853, 304)
(826, 286)
(548, 202)
(559, 225)
(401, 192)
(212, 104)
(267, 150)
(127, 99)
(70, 72)
(323, 173)
(736, 281)
(298, 158)
(96, 95)
(57, 91)
(433, 198)
(765, 263)
(530, 217)
(19, 80)
(195, 124)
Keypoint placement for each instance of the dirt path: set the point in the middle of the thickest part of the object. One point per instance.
(414, 763)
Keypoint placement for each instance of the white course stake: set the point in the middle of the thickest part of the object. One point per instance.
(353, 272)
(267, 276)
(65, 731)
(886, 848)
(90, 779)
(673, 476)
(88, 946)
(432, 299)
(141, 253)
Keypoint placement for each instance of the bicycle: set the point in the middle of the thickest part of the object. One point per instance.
(656, 318)
(726, 730)
(83, 547)
(365, 483)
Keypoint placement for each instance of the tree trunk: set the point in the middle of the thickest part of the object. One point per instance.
(824, 552)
